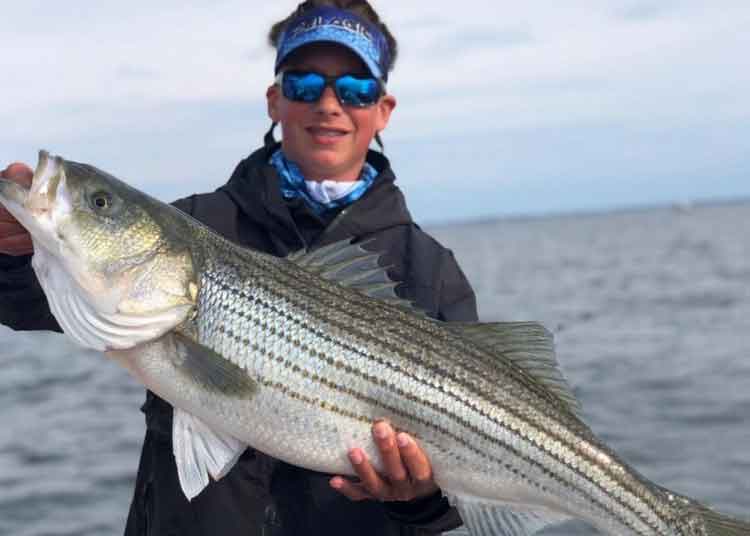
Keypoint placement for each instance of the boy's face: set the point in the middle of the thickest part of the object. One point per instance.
(326, 139)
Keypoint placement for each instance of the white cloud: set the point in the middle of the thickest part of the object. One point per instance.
(657, 68)
(55, 53)
(83, 75)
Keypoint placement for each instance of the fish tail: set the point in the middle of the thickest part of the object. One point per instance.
(701, 520)
(716, 524)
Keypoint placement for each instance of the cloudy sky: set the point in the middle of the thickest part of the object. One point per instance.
(504, 108)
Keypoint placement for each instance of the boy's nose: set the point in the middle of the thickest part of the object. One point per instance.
(329, 102)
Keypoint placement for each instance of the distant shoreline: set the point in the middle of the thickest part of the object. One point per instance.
(678, 206)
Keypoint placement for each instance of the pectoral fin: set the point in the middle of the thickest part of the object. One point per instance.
(209, 369)
(200, 452)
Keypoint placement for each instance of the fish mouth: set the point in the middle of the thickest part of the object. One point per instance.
(48, 175)
(38, 206)
(41, 194)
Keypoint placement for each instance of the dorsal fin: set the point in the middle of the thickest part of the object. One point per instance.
(527, 344)
(352, 266)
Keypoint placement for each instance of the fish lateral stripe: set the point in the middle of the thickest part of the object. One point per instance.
(272, 309)
(328, 406)
(539, 438)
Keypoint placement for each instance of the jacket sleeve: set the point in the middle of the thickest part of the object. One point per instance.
(458, 303)
(23, 305)
(429, 515)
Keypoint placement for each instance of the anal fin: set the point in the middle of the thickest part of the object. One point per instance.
(200, 452)
(486, 518)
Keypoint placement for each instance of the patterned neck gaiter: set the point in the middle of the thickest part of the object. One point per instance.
(321, 196)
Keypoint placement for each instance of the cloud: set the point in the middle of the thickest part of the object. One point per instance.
(189, 77)
(452, 44)
(126, 71)
(156, 53)
(644, 11)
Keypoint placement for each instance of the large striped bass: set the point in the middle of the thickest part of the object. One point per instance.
(297, 356)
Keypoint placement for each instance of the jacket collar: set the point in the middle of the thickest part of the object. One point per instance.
(254, 186)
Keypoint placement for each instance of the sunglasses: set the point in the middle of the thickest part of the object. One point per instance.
(359, 91)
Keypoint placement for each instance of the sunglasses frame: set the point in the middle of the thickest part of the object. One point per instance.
(330, 81)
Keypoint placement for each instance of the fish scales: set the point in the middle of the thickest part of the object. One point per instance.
(354, 377)
(255, 350)
(446, 359)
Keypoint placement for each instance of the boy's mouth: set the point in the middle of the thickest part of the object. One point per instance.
(325, 132)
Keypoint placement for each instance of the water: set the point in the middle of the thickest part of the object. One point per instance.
(651, 312)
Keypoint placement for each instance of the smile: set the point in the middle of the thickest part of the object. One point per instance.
(326, 132)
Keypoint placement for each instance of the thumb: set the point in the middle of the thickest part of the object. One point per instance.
(18, 172)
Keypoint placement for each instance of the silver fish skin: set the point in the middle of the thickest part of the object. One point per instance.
(296, 357)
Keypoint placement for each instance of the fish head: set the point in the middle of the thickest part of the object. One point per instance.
(82, 215)
(113, 262)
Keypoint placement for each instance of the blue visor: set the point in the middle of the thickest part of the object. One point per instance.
(332, 25)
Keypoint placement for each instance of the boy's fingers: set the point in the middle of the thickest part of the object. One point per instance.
(18, 172)
(414, 458)
(370, 479)
(351, 490)
(393, 465)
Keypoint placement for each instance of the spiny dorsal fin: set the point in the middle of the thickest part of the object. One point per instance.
(354, 267)
(527, 344)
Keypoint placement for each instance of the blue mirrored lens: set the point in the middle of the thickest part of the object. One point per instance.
(350, 90)
(305, 87)
(357, 91)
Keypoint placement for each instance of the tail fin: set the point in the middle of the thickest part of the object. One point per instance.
(704, 521)
(716, 524)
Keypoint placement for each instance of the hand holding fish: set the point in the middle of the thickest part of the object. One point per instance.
(14, 239)
(408, 470)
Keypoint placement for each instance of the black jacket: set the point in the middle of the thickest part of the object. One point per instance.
(261, 495)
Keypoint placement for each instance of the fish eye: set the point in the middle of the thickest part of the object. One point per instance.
(101, 200)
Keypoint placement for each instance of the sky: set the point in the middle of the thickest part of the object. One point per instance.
(504, 108)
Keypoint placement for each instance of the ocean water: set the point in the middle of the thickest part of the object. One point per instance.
(651, 314)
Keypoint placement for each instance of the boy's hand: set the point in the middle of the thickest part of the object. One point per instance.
(408, 472)
(14, 239)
